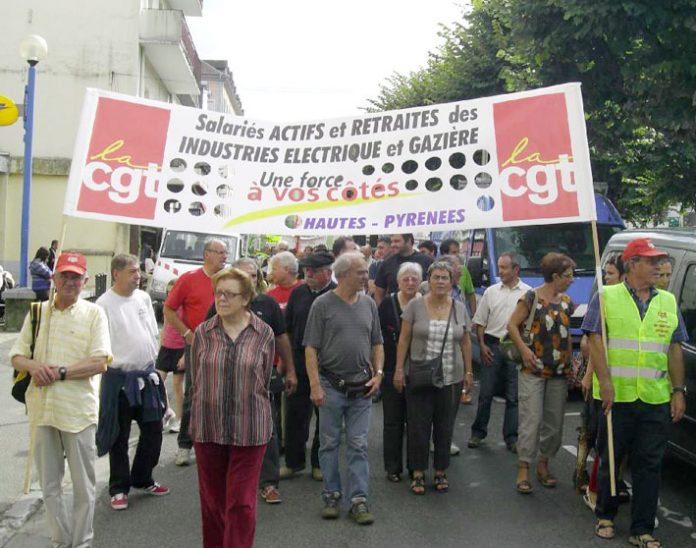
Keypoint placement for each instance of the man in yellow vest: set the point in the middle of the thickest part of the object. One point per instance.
(641, 379)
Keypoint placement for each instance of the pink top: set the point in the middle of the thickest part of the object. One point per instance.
(171, 338)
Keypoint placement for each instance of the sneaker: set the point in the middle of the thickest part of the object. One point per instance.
(360, 512)
(330, 510)
(454, 450)
(183, 457)
(316, 474)
(498, 399)
(474, 442)
(271, 495)
(156, 489)
(287, 473)
(119, 501)
(175, 426)
(168, 417)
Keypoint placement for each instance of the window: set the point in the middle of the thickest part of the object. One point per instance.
(687, 302)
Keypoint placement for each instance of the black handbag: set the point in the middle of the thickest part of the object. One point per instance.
(21, 379)
(424, 374)
(353, 388)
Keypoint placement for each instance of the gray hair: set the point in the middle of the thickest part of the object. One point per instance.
(245, 261)
(286, 259)
(210, 241)
(441, 264)
(121, 262)
(449, 259)
(410, 268)
(344, 263)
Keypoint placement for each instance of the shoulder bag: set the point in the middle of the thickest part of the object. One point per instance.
(428, 373)
(21, 379)
(507, 345)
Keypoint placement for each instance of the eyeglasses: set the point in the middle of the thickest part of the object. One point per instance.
(223, 252)
(436, 278)
(228, 295)
(568, 275)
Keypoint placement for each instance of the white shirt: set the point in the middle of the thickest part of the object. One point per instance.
(496, 306)
(132, 328)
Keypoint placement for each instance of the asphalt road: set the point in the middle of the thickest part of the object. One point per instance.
(481, 509)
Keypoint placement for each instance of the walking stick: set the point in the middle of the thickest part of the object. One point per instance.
(32, 426)
(610, 427)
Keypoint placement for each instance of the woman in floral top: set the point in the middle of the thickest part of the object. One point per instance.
(542, 385)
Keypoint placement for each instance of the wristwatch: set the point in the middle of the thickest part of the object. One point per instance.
(62, 371)
(681, 389)
(380, 373)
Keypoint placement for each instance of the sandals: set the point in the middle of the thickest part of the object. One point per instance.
(545, 478)
(418, 485)
(622, 492)
(524, 486)
(644, 541)
(441, 483)
(604, 529)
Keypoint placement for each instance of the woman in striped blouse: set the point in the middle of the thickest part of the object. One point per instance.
(231, 360)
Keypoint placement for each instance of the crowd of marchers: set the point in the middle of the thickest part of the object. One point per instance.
(326, 333)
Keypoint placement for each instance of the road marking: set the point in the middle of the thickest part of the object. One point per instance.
(574, 451)
(573, 414)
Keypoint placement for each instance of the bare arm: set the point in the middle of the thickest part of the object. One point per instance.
(44, 374)
(316, 392)
(675, 364)
(465, 346)
(519, 315)
(598, 357)
(377, 365)
(471, 299)
(401, 352)
(486, 352)
(287, 364)
(171, 317)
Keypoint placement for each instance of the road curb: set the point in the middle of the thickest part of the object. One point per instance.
(18, 514)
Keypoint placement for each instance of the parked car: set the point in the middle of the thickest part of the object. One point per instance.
(681, 246)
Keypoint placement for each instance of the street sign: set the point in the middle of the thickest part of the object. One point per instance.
(8, 111)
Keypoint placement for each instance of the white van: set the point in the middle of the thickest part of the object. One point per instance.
(180, 252)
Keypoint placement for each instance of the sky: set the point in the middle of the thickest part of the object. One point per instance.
(296, 60)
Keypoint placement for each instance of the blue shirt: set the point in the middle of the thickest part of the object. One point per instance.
(593, 322)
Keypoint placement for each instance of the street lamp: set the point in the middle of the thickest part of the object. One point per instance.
(32, 49)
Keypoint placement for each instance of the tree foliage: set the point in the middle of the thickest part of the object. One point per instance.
(635, 59)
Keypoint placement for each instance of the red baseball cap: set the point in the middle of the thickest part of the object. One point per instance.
(641, 247)
(72, 262)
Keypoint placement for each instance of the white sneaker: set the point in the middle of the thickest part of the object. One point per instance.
(175, 426)
(169, 415)
(454, 450)
(183, 457)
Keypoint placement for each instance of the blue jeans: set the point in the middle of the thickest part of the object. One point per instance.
(500, 376)
(356, 413)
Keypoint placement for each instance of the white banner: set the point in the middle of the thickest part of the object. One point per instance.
(515, 159)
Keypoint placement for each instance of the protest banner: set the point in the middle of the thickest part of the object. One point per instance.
(516, 159)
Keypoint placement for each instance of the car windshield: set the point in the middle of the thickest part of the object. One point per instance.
(531, 243)
(188, 246)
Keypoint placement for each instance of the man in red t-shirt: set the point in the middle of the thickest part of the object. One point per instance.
(283, 268)
(194, 293)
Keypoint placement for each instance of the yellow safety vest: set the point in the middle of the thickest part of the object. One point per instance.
(637, 349)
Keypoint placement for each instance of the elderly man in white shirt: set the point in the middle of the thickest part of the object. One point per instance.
(491, 318)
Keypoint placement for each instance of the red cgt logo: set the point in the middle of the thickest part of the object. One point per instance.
(536, 168)
(121, 176)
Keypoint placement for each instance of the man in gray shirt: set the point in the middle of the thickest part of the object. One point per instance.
(344, 358)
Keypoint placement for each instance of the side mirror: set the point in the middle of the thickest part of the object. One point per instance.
(475, 267)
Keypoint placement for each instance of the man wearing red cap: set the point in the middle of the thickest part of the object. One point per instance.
(72, 348)
(640, 377)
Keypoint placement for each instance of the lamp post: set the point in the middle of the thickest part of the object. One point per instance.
(32, 49)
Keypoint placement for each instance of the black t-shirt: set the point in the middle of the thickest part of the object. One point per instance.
(386, 274)
(267, 310)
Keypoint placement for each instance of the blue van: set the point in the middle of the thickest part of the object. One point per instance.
(482, 247)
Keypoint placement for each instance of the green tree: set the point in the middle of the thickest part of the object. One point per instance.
(636, 60)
